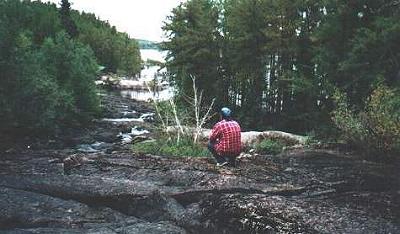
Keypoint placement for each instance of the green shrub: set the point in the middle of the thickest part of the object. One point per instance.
(75, 68)
(311, 140)
(169, 147)
(348, 122)
(269, 146)
(47, 86)
(376, 129)
(37, 101)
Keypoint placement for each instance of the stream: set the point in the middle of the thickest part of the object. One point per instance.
(125, 114)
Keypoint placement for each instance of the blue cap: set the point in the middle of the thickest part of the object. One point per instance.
(226, 112)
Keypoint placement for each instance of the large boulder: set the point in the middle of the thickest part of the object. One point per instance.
(252, 138)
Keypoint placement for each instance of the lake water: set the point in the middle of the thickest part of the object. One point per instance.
(153, 55)
(149, 74)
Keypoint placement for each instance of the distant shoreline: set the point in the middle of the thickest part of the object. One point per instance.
(146, 44)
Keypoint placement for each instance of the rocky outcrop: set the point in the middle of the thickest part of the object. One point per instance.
(296, 192)
(65, 190)
(27, 212)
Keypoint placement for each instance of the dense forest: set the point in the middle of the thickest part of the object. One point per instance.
(301, 66)
(49, 59)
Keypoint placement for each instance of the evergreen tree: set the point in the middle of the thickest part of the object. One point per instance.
(356, 46)
(280, 61)
(114, 50)
(67, 22)
(193, 47)
(245, 22)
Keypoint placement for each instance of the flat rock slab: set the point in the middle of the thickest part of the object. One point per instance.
(27, 212)
(304, 191)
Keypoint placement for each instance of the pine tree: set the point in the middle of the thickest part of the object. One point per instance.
(67, 22)
(244, 23)
(193, 47)
(281, 60)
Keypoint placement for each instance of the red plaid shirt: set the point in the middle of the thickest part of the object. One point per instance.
(227, 136)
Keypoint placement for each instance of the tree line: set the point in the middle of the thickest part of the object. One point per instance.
(49, 59)
(280, 63)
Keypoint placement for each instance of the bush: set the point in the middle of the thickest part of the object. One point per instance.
(169, 147)
(376, 129)
(47, 86)
(348, 122)
(311, 140)
(269, 146)
(37, 101)
(75, 68)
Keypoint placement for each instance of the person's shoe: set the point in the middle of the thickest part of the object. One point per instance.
(222, 164)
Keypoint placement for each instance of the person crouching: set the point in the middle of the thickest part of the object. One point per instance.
(225, 139)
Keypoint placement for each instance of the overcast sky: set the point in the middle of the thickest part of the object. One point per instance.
(141, 19)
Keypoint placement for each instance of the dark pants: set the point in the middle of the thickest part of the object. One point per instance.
(231, 159)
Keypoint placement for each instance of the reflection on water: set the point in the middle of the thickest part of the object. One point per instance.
(152, 54)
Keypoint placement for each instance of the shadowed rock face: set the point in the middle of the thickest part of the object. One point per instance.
(63, 190)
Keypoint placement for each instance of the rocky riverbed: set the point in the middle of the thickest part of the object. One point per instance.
(89, 181)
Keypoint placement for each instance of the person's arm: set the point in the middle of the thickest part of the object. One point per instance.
(215, 133)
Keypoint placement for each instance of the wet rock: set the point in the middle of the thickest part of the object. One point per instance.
(149, 117)
(136, 131)
(108, 137)
(134, 135)
(95, 147)
(130, 114)
(125, 138)
(86, 148)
